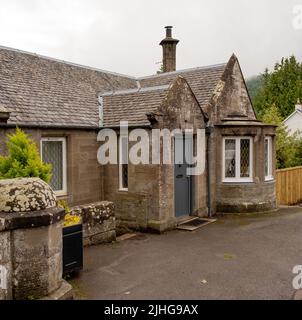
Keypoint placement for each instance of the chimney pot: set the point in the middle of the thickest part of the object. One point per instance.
(168, 31)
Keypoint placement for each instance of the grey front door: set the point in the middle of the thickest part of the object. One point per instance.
(182, 180)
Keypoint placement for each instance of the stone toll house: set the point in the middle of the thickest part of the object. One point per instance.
(62, 106)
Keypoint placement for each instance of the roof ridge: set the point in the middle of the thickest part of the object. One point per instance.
(182, 71)
(111, 72)
(67, 62)
(135, 90)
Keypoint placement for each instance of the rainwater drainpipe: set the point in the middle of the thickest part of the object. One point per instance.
(209, 130)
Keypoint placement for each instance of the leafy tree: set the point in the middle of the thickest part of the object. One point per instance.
(23, 159)
(254, 85)
(288, 148)
(282, 87)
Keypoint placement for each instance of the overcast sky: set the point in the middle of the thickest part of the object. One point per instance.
(123, 35)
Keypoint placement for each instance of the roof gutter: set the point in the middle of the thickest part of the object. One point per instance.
(71, 127)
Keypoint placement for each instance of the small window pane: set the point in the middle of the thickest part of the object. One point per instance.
(124, 162)
(244, 158)
(52, 152)
(230, 162)
(125, 175)
(266, 155)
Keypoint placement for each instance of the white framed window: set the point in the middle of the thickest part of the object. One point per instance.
(123, 162)
(268, 159)
(237, 159)
(53, 151)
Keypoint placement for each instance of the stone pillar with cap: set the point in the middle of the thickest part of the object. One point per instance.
(30, 241)
(169, 51)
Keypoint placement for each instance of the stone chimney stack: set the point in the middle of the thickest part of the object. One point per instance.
(298, 105)
(169, 51)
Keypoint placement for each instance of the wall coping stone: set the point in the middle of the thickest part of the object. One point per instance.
(33, 219)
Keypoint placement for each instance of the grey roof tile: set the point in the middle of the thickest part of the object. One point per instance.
(44, 91)
(39, 90)
(201, 80)
(132, 106)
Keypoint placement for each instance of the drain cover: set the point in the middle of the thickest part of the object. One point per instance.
(194, 224)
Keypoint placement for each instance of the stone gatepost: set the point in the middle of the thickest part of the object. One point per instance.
(30, 241)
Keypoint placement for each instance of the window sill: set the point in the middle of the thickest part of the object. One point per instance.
(61, 194)
(238, 181)
(123, 189)
(269, 179)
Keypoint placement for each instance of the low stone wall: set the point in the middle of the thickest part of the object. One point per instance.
(98, 222)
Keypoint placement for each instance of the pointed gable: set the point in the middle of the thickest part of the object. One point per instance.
(180, 109)
(231, 95)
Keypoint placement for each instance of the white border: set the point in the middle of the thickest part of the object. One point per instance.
(270, 159)
(237, 177)
(62, 192)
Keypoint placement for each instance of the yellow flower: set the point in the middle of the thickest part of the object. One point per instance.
(71, 220)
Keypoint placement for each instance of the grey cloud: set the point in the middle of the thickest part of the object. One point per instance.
(123, 36)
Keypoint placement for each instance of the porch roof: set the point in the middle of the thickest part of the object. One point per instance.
(132, 105)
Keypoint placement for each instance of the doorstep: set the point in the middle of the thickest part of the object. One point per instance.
(184, 219)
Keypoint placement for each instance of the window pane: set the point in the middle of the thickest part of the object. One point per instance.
(230, 162)
(244, 158)
(124, 162)
(52, 152)
(266, 154)
(125, 175)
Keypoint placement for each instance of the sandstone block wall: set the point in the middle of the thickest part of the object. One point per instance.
(84, 178)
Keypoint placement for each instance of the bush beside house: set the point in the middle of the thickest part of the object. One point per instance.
(23, 159)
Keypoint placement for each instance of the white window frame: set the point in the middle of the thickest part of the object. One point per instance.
(269, 176)
(237, 177)
(121, 187)
(62, 192)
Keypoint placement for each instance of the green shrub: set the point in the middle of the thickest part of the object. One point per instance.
(288, 147)
(23, 159)
(64, 205)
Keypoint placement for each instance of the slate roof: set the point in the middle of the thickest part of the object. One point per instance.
(41, 91)
(132, 106)
(201, 80)
(44, 91)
